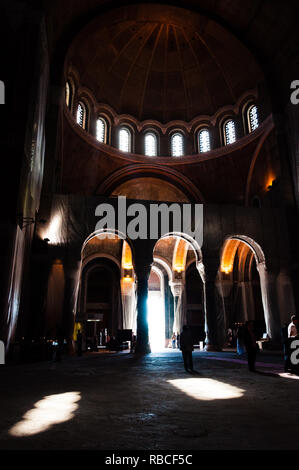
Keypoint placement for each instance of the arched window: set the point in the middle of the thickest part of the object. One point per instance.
(177, 145)
(124, 140)
(229, 132)
(69, 94)
(204, 144)
(253, 118)
(150, 144)
(81, 117)
(101, 130)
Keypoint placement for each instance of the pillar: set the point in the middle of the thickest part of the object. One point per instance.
(142, 265)
(270, 303)
(177, 289)
(285, 294)
(72, 278)
(209, 277)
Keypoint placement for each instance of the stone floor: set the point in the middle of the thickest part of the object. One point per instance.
(119, 402)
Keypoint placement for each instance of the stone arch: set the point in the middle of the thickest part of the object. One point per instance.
(135, 171)
(190, 241)
(253, 245)
(177, 279)
(107, 231)
(100, 255)
(105, 302)
(159, 260)
(267, 281)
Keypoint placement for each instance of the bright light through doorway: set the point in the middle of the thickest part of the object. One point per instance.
(156, 321)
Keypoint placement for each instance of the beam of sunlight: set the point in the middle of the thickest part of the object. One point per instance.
(156, 322)
(51, 410)
(207, 389)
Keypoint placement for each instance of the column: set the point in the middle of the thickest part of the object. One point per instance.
(177, 289)
(210, 304)
(72, 279)
(285, 294)
(142, 266)
(270, 303)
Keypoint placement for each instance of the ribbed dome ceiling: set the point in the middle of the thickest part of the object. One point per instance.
(161, 62)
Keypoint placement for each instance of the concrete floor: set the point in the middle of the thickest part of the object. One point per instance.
(121, 402)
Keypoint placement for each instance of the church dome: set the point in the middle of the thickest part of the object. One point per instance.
(162, 62)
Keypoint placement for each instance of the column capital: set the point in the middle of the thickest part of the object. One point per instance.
(177, 287)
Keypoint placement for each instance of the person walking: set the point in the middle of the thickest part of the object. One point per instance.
(173, 341)
(250, 344)
(186, 346)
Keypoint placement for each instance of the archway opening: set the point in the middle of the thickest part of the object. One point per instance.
(156, 310)
(105, 305)
(173, 254)
(241, 289)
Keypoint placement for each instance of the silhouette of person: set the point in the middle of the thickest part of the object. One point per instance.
(186, 346)
(292, 328)
(250, 344)
(286, 348)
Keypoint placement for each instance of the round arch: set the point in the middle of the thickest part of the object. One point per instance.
(253, 245)
(107, 231)
(151, 170)
(267, 301)
(189, 240)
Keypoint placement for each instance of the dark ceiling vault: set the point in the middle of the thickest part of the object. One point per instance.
(161, 62)
(268, 28)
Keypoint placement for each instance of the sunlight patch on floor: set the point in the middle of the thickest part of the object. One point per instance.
(207, 389)
(53, 409)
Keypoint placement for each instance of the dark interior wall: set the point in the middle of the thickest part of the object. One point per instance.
(210, 175)
(24, 71)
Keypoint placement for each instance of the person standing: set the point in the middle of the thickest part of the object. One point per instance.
(240, 340)
(186, 346)
(250, 344)
(173, 341)
(178, 340)
(292, 328)
(292, 334)
(286, 348)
